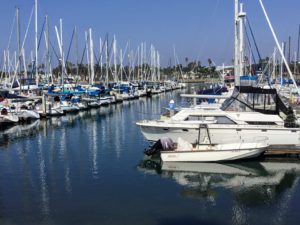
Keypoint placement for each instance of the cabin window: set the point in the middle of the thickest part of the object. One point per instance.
(217, 119)
(224, 120)
(260, 123)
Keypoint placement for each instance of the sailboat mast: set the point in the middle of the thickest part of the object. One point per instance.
(19, 46)
(142, 62)
(19, 39)
(47, 48)
(289, 53)
(138, 63)
(241, 17)
(115, 58)
(88, 56)
(77, 52)
(62, 56)
(236, 42)
(107, 61)
(298, 46)
(36, 42)
(91, 57)
(101, 59)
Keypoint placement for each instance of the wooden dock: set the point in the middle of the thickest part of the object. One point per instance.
(289, 153)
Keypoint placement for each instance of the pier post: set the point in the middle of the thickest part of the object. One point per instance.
(44, 104)
(172, 107)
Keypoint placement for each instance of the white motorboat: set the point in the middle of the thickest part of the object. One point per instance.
(28, 114)
(215, 153)
(248, 113)
(106, 100)
(68, 107)
(140, 93)
(207, 152)
(25, 111)
(7, 117)
(81, 105)
(91, 102)
(52, 109)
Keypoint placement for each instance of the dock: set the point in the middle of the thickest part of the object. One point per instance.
(289, 153)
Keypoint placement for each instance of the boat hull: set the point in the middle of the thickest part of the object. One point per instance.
(29, 115)
(8, 119)
(211, 156)
(223, 135)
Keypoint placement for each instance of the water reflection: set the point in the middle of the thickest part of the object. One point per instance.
(64, 169)
(18, 132)
(253, 184)
(43, 180)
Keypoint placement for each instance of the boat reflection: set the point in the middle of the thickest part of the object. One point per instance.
(18, 131)
(251, 183)
(9, 134)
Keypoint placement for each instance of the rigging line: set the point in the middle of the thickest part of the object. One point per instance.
(97, 65)
(111, 46)
(54, 51)
(11, 31)
(103, 44)
(82, 58)
(70, 45)
(41, 35)
(27, 29)
(97, 59)
(250, 47)
(251, 32)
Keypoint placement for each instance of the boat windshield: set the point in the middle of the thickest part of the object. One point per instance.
(254, 99)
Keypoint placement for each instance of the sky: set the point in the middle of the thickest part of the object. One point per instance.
(196, 29)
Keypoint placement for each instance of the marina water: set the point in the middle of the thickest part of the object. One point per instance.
(89, 168)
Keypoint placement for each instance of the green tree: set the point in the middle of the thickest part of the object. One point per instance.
(186, 60)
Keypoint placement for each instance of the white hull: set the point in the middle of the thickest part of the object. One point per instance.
(242, 116)
(28, 114)
(224, 134)
(52, 111)
(9, 119)
(81, 106)
(211, 155)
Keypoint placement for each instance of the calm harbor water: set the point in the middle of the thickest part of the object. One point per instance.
(89, 168)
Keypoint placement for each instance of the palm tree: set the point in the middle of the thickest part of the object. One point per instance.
(186, 61)
(209, 62)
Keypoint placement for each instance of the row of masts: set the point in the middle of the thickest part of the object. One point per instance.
(142, 63)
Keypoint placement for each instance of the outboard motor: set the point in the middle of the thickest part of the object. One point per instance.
(163, 144)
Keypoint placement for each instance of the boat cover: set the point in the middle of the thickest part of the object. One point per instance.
(248, 98)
